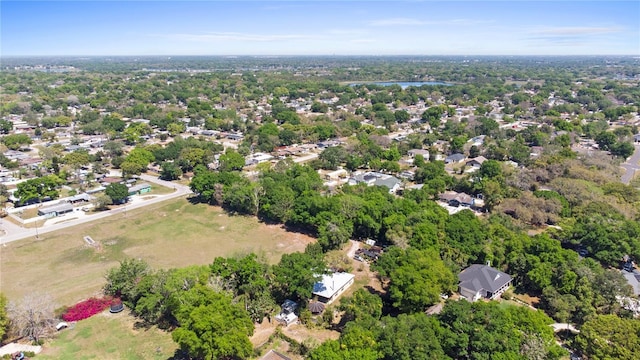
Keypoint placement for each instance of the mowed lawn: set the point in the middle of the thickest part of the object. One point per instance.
(171, 234)
(109, 336)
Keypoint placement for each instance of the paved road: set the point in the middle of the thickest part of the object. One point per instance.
(631, 166)
(13, 232)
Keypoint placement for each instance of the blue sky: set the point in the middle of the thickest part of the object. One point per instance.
(35, 28)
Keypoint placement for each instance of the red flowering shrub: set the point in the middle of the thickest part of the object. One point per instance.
(86, 308)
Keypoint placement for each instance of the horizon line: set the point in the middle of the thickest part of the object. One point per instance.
(306, 55)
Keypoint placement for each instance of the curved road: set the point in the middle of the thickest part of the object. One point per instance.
(631, 166)
(13, 232)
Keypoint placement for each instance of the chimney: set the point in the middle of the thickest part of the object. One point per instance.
(488, 262)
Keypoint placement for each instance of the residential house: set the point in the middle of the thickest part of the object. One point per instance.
(372, 178)
(413, 152)
(482, 281)
(140, 189)
(79, 198)
(331, 286)
(55, 210)
(454, 158)
(274, 355)
(236, 137)
(478, 140)
(476, 162)
(328, 143)
(456, 199)
(287, 314)
(257, 158)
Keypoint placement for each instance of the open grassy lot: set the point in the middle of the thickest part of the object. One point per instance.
(110, 336)
(170, 234)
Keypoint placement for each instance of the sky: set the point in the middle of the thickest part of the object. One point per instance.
(86, 28)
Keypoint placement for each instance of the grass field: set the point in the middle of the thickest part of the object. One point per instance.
(170, 234)
(109, 336)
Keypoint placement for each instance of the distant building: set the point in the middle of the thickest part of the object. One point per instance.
(454, 158)
(413, 152)
(236, 137)
(482, 281)
(476, 162)
(456, 199)
(55, 210)
(257, 158)
(140, 189)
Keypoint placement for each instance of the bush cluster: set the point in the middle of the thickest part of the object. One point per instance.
(87, 308)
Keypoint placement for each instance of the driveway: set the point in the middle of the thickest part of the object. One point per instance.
(631, 166)
(13, 232)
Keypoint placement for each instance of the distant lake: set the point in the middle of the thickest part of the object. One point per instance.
(405, 84)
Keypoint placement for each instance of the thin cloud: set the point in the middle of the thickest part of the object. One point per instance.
(576, 31)
(417, 22)
(397, 22)
(233, 36)
(363, 41)
(571, 36)
(346, 32)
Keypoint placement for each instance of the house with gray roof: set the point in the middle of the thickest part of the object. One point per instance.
(372, 178)
(482, 281)
(454, 158)
(55, 210)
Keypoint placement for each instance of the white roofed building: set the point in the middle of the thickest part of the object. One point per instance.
(331, 286)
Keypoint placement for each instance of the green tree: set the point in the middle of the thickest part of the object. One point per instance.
(77, 159)
(114, 123)
(15, 141)
(362, 304)
(295, 275)
(411, 337)
(606, 139)
(190, 157)
(319, 107)
(175, 128)
(401, 116)
(417, 279)
(4, 318)
(332, 157)
(491, 169)
(5, 126)
(38, 189)
(610, 337)
(122, 280)
(334, 350)
(102, 202)
(119, 193)
(519, 151)
(212, 326)
(622, 149)
(170, 171)
(231, 161)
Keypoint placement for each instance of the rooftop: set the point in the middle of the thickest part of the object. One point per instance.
(479, 277)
